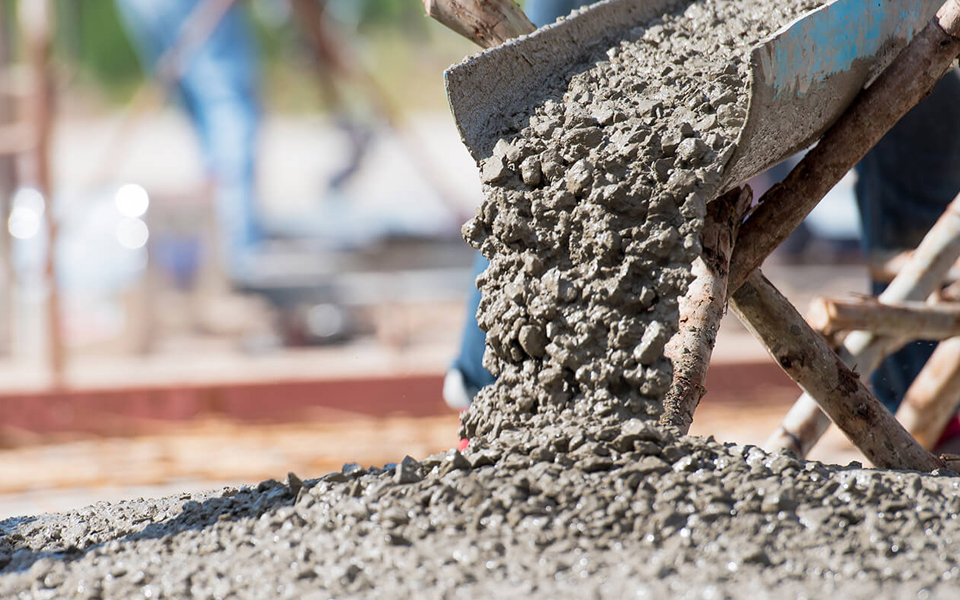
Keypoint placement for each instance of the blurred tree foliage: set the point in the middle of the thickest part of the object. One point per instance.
(406, 13)
(91, 38)
(403, 49)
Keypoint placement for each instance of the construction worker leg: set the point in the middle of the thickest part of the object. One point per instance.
(904, 184)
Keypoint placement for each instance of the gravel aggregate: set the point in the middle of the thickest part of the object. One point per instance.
(617, 512)
(594, 208)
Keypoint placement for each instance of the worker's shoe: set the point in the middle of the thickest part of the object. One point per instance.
(949, 442)
(464, 442)
(457, 393)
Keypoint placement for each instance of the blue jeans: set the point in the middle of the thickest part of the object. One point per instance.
(218, 89)
(473, 341)
(542, 12)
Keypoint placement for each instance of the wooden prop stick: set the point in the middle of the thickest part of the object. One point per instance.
(913, 320)
(951, 293)
(885, 268)
(934, 395)
(807, 358)
(702, 308)
(334, 59)
(801, 428)
(16, 138)
(938, 251)
(907, 80)
(8, 185)
(486, 22)
(36, 23)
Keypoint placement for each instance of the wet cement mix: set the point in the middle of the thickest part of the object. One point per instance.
(568, 489)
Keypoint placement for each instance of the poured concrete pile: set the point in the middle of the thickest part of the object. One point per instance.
(593, 215)
(536, 514)
(568, 489)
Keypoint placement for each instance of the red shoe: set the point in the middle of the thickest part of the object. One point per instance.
(464, 442)
(950, 438)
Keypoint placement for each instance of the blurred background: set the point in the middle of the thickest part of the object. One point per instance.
(230, 247)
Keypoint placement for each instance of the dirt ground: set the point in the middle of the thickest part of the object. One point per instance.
(64, 474)
(399, 529)
(47, 474)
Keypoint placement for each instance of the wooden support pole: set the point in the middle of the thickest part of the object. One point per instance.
(807, 358)
(951, 293)
(934, 395)
(801, 428)
(8, 185)
(334, 59)
(16, 138)
(35, 20)
(913, 320)
(328, 55)
(702, 308)
(487, 23)
(932, 259)
(884, 268)
(907, 80)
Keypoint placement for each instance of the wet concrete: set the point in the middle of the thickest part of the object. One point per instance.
(568, 489)
(593, 212)
(635, 514)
